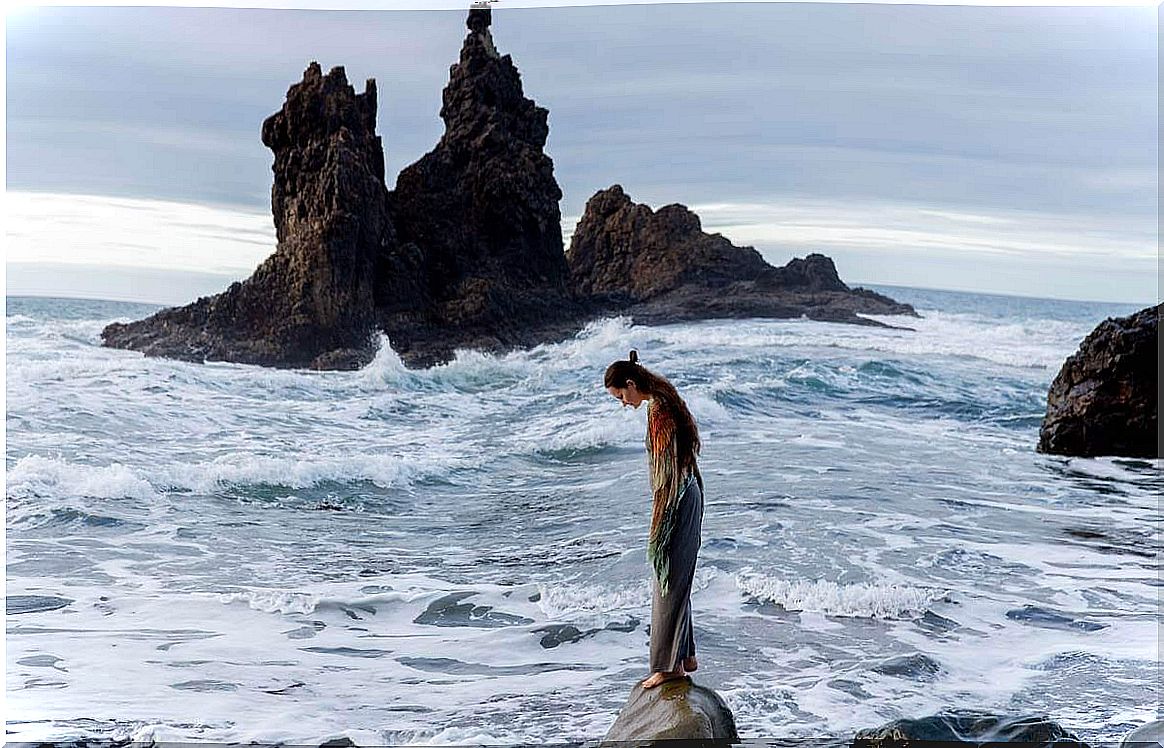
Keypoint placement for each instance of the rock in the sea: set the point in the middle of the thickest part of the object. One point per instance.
(311, 303)
(631, 253)
(675, 710)
(466, 251)
(482, 211)
(660, 266)
(967, 728)
(1104, 400)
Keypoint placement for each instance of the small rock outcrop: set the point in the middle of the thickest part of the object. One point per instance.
(1104, 400)
(967, 729)
(311, 303)
(661, 266)
(482, 210)
(675, 710)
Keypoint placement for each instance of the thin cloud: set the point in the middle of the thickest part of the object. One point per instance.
(907, 228)
(92, 229)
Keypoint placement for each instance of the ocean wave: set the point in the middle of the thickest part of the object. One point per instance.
(35, 475)
(1028, 343)
(385, 471)
(860, 600)
(305, 603)
(586, 437)
(468, 371)
(571, 600)
(32, 371)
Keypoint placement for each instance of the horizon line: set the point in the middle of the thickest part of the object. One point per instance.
(853, 284)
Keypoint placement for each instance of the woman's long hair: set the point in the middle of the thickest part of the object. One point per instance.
(663, 395)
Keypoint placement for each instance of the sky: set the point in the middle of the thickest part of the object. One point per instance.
(995, 149)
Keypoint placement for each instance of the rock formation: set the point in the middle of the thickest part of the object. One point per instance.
(660, 266)
(967, 728)
(674, 710)
(482, 210)
(1104, 400)
(466, 251)
(312, 302)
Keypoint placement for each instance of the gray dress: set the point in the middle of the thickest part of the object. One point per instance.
(672, 633)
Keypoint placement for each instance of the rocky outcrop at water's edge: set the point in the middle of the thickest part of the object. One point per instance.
(660, 266)
(1105, 399)
(674, 710)
(312, 302)
(466, 251)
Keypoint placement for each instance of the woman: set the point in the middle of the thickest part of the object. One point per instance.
(677, 514)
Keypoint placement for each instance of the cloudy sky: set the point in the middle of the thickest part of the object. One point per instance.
(1005, 150)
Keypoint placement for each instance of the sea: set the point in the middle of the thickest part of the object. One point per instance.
(227, 553)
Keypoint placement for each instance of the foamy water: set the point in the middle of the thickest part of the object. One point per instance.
(227, 553)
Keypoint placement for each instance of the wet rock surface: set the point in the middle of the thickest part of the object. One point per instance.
(674, 710)
(1104, 400)
(967, 728)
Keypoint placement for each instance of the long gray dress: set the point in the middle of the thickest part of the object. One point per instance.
(672, 633)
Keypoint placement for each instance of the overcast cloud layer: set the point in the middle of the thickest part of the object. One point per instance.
(940, 146)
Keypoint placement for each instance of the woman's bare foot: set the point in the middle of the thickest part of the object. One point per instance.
(660, 677)
(690, 665)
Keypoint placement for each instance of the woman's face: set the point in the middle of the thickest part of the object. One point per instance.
(629, 395)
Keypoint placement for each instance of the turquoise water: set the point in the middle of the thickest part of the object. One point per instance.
(227, 553)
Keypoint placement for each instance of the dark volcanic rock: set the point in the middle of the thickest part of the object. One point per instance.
(674, 710)
(482, 210)
(967, 728)
(1104, 400)
(312, 302)
(660, 266)
(466, 251)
(630, 253)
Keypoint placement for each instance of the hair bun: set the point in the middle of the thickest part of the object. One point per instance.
(634, 356)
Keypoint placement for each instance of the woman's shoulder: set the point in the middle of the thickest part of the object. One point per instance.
(662, 409)
(660, 416)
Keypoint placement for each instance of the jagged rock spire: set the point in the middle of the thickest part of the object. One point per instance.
(482, 206)
(312, 302)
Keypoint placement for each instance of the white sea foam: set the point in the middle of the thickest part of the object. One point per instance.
(454, 736)
(46, 476)
(1033, 343)
(859, 600)
(273, 601)
(35, 475)
(468, 371)
(383, 470)
(568, 600)
(329, 597)
(595, 434)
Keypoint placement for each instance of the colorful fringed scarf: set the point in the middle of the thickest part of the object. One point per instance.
(668, 484)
